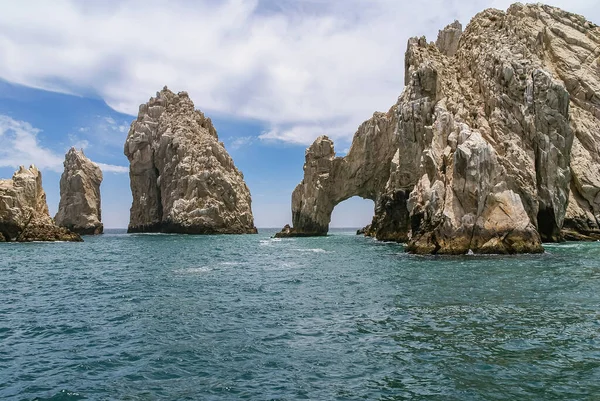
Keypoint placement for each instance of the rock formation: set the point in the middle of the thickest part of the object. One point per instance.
(79, 207)
(496, 129)
(447, 40)
(329, 180)
(24, 213)
(182, 178)
(582, 219)
(366, 230)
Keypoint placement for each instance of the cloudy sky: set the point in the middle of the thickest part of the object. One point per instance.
(273, 75)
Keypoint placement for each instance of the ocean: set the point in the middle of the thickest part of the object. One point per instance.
(342, 317)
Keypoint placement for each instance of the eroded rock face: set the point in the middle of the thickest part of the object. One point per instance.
(329, 180)
(509, 83)
(79, 208)
(495, 126)
(182, 178)
(582, 220)
(24, 213)
(447, 40)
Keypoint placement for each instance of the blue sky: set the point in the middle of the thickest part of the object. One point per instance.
(272, 75)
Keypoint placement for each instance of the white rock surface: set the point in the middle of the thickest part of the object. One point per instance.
(483, 136)
(24, 213)
(182, 178)
(447, 40)
(329, 180)
(79, 209)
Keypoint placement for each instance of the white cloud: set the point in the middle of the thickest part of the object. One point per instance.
(304, 134)
(77, 142)
(295, 64)
(109, 168)
(21, 146)
(105, 131)
(241, 141)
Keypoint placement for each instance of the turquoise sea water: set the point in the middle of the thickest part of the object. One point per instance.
(343, 317)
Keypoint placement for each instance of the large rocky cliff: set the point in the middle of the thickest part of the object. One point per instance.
(182, 178)
(79, 208)
(496, 130)
(24, 213)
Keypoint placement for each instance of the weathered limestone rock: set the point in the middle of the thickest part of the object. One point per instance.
(483, 135)
(79, 208)
(24, 213)
(509, 81)
(182, 178)
(582, 220)
(329, 180)
(447, 40)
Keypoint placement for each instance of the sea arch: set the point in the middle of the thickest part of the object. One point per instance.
(354, 212)
(329, 180)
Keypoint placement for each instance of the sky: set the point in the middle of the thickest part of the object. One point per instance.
(272, 75)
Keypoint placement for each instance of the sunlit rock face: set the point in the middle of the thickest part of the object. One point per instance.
(329, 180)
(496, 130)
(24, 213)
(79, 209)
(182, 178)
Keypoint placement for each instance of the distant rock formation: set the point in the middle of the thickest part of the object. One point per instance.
(496, 129)
(24, 213)
(329, 180)
(182, 178)
(79, 208)
(366, 231)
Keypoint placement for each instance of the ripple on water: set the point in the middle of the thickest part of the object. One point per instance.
(252, 317)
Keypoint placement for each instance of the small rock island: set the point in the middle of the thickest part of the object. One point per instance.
(493, 146)
(79, 209)
(24, 215)
(182, 178)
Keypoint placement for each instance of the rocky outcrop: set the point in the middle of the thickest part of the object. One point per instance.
(329, 180)
(582, 220)
(182, 178)
(364, 231)
(79, 208)
(447, 40)
(24, 213)
(495, 127)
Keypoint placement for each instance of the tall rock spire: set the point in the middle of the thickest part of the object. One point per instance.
(24, 213)
(182, 178)
(79, 209)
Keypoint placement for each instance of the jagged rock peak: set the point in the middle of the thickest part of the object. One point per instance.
(447, 40)
(176, 104)
(182, 178)
(24, 213)
(490, 140)
(79, 209)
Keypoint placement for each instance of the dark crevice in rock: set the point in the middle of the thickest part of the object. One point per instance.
(546, 225)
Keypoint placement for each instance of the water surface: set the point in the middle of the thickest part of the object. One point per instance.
(343, 317)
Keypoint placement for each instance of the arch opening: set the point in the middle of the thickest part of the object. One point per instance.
(352, 213)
